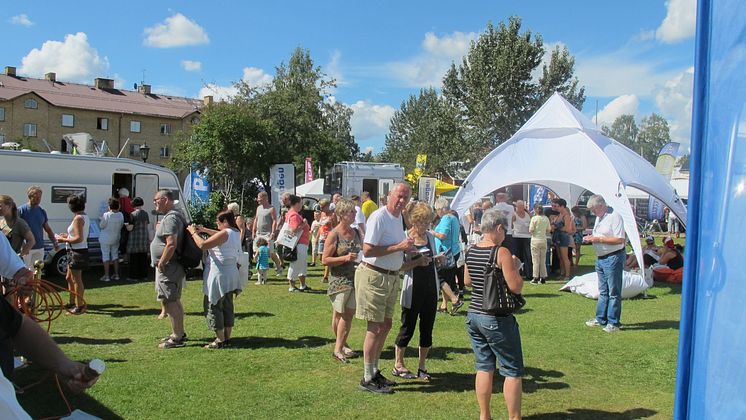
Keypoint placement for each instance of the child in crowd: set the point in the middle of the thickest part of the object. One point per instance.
(262, 260)
(315, 236)
(111, 227)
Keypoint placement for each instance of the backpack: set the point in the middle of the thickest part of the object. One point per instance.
(188, 254)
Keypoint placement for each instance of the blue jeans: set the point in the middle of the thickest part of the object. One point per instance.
(496, 340)
(609, 269)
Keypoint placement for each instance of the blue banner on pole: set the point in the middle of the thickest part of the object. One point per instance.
(537, 194)
(196, 188)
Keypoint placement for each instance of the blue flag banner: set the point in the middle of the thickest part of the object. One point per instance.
(196, 188)
(537, 194)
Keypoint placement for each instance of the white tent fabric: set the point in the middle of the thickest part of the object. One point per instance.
(560, 144)
(315, 187)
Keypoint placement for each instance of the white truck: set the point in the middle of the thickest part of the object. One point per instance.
(98, 178)
(352, 178)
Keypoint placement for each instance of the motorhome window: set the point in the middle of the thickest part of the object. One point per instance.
(135, 126)
(2, 138)
(134, 150)
(29, 130)
(2, 114)
(60, 194)
(164, 152)
(165, 129)
(102, 123)
(68, 120)
(31, 104)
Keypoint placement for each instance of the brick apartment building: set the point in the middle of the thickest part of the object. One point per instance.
(33, 111)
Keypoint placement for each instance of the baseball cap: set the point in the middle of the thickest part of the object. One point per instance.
(667, 241)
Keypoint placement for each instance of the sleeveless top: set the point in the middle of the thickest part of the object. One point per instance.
(520, 226)
(578, 235)
(86, 228)
(227, 252)
(342, 277)
(476, 261)
(264, 220)
(676, 262)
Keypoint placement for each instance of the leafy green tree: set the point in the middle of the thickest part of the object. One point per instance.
(624, 130)
(654, 134)
(426, 124)
(493, 88)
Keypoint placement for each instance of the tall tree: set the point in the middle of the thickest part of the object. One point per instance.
(654, 134)
(426, 124)
(493, 87)
(624, 130)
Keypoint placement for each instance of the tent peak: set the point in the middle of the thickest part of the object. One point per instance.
(558, 112)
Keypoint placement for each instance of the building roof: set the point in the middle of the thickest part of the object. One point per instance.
(74, 95)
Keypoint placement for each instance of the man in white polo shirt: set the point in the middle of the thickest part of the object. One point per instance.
(377, 282)
(608, 240)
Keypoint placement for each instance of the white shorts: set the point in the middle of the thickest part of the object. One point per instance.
(109, 252)
(299, 267)
(32, 256)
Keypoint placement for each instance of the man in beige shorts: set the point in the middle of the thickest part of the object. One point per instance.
(377, 282)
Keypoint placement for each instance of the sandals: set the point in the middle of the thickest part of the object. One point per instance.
(340, 357)
(171, 337)
(349, 353)
(456, 306)
(215, 345)
(403, 373)
(171, 343)
(422, 374)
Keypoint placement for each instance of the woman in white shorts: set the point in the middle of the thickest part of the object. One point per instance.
(341, 250)
(111, 227)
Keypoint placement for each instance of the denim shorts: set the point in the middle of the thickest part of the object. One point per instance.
(496, 339)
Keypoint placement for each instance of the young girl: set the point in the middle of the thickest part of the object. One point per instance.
(315, 236)
(262, 260)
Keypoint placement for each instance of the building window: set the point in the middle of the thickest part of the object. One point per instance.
(166, 129)
(29, 130)
(2, 114)
(102, 123)
(134, 126)
(31, 104)
(135, 150)
(68, 120)
(2, 138)
(164, 152)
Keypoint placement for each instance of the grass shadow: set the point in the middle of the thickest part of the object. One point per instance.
(540, 295)
(273, 342)
(238, 315)
(435, 353)
(673, 288)
(90, 341)
(653, 325)
(589, 414)
(535, 379)
(120, 311)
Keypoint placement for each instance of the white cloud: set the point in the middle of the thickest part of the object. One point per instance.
(255, 77)
(370, 120)
(333, 70)
(176, 31)
(190, 65)
(680, 21)
(72, 59)
(618, 73)
(674, 99)
(429, 67)
(625, 104)
(22, 20)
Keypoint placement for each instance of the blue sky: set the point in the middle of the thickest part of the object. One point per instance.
(633, 57)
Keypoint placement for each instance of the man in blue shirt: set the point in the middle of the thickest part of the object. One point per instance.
(36, 217)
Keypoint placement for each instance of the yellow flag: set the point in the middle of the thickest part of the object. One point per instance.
(421, 162)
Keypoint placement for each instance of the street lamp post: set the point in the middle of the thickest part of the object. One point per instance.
(144, 152)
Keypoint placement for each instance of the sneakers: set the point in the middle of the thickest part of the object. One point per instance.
(542, 281)
(611, 328)
(374, 386)
(382, 380)
(592, 323)
(258, 283)
(105, 279)
(280, 271)
(115, 278)
(304, 288)
(293, 289)
(534, 281)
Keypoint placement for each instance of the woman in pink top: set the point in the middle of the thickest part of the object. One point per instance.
(298, 224)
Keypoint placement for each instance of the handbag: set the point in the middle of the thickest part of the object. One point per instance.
(497, 298)
(287, 253)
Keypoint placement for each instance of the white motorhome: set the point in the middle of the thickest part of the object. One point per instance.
(352, 178)
(97, 178)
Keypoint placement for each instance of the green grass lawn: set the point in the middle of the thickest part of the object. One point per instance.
(281, 366)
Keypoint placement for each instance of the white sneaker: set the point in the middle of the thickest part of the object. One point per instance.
(279, 272)
(105, 279)
(258, 282)
(592, 322)
(610, 328)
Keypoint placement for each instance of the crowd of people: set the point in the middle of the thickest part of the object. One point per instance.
(366, 250)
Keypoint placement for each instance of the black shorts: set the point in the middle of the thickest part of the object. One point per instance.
(77, 259)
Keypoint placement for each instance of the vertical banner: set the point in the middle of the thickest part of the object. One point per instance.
(664, 165)
(537, 194)
(196, 188)
(426, 190)
(309, 169)
(281, 179)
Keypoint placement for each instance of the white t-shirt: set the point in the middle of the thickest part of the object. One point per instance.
(359, 218)
(508, 211)
(520, 227)
(383, 229)
(111, 227)
(610, 225)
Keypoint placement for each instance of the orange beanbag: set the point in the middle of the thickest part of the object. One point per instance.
(668, 275)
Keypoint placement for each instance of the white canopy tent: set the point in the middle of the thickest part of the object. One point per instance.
(312, 188)
(559, 145)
